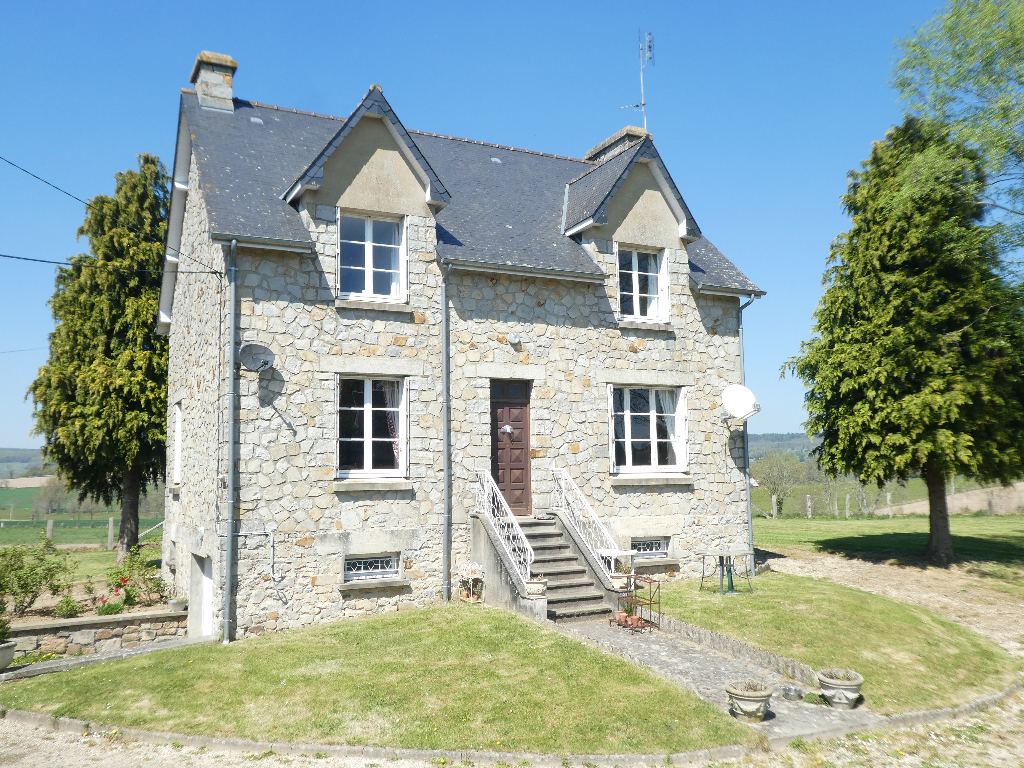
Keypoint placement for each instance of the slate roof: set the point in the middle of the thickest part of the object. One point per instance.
(245, 166)
(710, 268)
(506, 213)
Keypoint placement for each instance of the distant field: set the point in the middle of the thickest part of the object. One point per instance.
(20, 497)
(71, 532)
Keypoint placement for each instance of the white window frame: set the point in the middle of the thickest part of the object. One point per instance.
(402, 471)
(664, 541)
(661, 255)
(389, 573)
(679, 441)
(176, 425)
(403, 258)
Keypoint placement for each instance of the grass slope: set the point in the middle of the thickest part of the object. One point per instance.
(988, 546)
(911, 658)
(444, 678)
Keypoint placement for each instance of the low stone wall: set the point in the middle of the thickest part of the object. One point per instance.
(96, 634)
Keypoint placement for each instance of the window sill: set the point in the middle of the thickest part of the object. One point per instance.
(654, 562)
(649, 480)
(372, 306)
(361, 485)
(364, 584)
(645, 325)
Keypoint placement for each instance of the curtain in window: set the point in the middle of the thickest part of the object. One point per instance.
(666, 401)
(393, 398)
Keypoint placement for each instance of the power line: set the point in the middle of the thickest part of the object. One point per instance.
(90, 205)
(69, 265)
(12, 351)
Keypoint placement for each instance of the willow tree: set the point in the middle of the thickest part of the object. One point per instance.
(100, 402)
(915, 365)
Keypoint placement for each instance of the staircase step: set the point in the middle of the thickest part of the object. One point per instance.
(558, 569)
(574, 595)
(550, 547)
(532, 522)
(561, 614)
(543, 535)
(568, 584)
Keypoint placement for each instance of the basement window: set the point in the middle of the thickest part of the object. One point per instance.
(364, 567)
(657, 547)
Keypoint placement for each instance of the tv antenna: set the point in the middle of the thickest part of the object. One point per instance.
(646, 55)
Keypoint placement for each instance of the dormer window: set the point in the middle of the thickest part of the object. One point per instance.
(643, 284)
(371, 258)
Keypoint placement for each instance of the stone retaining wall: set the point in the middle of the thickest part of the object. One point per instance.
(73, 637)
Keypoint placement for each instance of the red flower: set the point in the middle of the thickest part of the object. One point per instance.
(124, 580)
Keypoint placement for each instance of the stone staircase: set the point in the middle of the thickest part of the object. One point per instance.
(573, 591)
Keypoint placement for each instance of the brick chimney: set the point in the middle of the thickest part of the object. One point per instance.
(213, 74)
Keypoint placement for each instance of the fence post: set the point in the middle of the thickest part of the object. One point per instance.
(991, 501)
(847, 506)
(49, 529)
(110, 533)
(888, 503)
(808, 498)
(775, 506)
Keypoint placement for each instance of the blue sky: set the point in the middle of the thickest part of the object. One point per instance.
(758, 109)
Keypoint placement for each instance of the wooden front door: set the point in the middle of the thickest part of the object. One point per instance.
(510, 442)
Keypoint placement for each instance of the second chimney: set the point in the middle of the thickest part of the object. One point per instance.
(213, 74)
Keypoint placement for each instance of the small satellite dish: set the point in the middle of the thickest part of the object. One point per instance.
(255, 357)
(739, 401)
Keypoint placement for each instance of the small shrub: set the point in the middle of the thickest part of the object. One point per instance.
(139, 576)
(26, 571)
(106, 606)
(68, 608)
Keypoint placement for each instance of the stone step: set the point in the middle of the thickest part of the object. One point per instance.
(573, 595)
(568, 568)
(543, 535)
(550, 547)
(564, 613)
(532, 522)
(567, 584)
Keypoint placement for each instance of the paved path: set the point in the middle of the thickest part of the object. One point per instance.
(705, 672)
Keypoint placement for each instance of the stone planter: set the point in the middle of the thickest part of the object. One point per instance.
(177, 604)
(7, 653)
(536, 587)
(840, 687)
(620, 581)
(749, 700)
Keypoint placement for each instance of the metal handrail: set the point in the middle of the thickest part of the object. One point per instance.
(492, 505)
(578, 513)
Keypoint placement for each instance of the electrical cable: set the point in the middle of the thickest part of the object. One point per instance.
(68, 265)
(12, 351)
(90, 205)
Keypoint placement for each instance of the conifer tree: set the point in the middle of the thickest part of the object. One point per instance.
(100, 402)
(915, 366)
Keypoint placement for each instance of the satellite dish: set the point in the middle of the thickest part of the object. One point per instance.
(739, 401)
(255, 357)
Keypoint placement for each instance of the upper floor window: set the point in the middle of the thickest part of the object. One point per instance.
(648, 429)
(643, 285)
(372, 428)
(371, 258)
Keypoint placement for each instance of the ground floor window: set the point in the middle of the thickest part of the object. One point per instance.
(647, 429)
(652, 547)
(371, 427)
(362, 567)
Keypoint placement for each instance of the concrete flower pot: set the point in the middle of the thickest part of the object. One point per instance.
(748, 700)
(536, 587)
(840, 687)
(7, 653)
(177, 604)
(620, 581)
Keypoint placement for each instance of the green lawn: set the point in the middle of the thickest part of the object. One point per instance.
(21, 498)
(445, 678)
(989, 546)
(911, 658)
(71, 532)
(94, 563)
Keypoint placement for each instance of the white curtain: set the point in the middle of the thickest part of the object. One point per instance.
(667, 401)
(393, 399)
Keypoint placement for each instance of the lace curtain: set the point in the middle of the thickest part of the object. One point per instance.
(393, 399)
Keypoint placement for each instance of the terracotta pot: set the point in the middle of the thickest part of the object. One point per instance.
(465, 594)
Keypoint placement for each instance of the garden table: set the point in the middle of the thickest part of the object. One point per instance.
(724, 562)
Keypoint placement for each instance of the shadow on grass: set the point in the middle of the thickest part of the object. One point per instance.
(906, 548)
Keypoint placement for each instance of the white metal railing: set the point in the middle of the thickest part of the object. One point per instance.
(577, 512)
(492, 505)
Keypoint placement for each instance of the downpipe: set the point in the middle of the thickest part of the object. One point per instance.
(446, 400)
(746, 446)
(229, 539)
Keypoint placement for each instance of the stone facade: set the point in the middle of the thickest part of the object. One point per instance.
(82, 637)
(299, 522)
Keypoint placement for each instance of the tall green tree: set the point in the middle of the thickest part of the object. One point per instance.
(101, 399)
(916, 364)
(965, 69)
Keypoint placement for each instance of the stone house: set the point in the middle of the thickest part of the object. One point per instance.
(588, 328)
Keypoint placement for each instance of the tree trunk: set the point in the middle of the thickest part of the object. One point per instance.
(940, 541)
(128, 533)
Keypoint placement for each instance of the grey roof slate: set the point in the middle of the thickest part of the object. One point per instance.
(507, 213)
(245, 166)
(710, 268)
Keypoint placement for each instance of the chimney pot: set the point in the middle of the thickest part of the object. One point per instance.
(213, 75)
